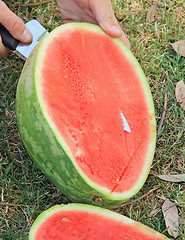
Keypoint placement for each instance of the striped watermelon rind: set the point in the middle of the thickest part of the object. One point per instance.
(47, 147)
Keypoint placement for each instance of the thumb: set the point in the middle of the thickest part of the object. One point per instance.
(105, 17)
(14, 24)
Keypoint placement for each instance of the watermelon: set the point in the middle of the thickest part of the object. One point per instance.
(80, 221)
(86, 116)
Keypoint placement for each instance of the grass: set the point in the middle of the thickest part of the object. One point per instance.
(26, 192)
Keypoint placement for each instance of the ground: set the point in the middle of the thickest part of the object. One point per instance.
(26, 192)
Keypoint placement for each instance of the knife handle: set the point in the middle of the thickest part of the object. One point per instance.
(8, 40)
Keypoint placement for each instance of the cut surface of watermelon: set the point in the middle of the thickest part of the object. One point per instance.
(77, 222)
(94, 91)
(88, 89)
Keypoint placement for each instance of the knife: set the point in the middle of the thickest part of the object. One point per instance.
(37, 30)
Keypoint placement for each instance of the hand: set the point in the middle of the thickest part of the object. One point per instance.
(14, 25)
(99, 12)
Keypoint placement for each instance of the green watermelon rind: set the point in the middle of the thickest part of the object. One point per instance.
(90, 209)
(38, 131)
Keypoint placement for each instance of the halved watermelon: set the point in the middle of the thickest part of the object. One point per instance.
(86, 115)
(78, 221)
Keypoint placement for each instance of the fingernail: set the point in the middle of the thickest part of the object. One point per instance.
(116, 30)
(27, 36)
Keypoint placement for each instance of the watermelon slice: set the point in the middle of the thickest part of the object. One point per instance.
(86, 115)
(78, 221)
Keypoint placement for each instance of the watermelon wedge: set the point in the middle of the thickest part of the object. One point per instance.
(78, 221)
(86, 115)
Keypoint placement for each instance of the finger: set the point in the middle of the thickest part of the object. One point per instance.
(123, 37)
(14, 24)
(3, 50)
(103, 12)
(105, 17)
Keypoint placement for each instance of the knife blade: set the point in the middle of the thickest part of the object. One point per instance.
(37, 30)
(125, 124)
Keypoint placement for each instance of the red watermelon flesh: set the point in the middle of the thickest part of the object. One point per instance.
(75, 92)
(77, 222)
(85, 92)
